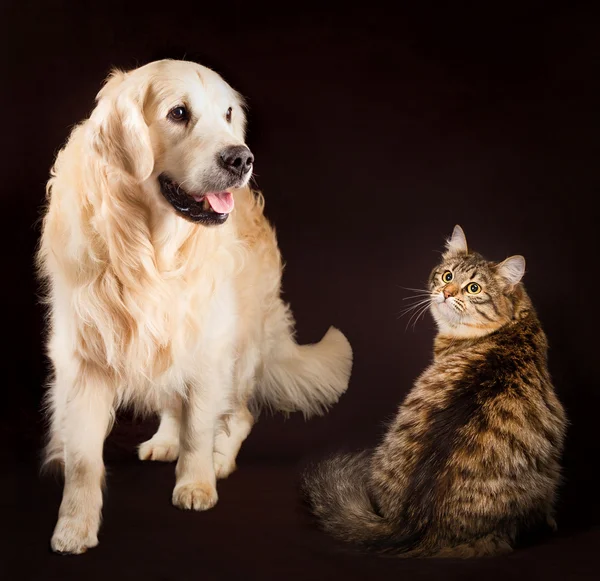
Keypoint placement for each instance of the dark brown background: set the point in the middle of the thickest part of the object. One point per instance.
(374, 133)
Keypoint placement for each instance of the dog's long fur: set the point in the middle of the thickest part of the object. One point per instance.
(150, 310)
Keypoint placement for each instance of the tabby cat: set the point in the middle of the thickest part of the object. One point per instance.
(471, 460)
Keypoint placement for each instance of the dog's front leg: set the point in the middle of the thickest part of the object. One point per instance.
(84, 417)
(207, 400)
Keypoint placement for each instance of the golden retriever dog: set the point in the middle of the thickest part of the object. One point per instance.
(164, 297)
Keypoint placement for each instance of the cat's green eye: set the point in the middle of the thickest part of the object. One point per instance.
(447, 276)
(473, 288)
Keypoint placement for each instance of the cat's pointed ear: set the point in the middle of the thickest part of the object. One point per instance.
(457, 243)
(512, 269)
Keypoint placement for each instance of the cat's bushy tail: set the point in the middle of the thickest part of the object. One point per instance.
(337, 494)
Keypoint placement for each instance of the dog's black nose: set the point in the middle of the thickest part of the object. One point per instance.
(237, 159)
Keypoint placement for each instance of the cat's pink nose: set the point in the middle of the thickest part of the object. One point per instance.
(450, 290)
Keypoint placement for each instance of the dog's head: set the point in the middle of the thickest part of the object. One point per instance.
(178, 128)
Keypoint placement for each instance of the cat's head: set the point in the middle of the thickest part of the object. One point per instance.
(471, 296)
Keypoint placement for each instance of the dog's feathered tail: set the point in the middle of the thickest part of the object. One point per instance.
(306, 378)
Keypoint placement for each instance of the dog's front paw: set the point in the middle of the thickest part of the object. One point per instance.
(159, 449)
(195, 496)
(74, 536)
(223, 466)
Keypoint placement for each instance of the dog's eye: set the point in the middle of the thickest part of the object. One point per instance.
(179, 114)
(228, 115)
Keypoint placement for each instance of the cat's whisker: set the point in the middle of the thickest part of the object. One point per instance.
(412, 310)
(418, 312)
(421, 299)
(417, 290)
(419, 315)
(416, 296)
(415, 306)
(403, 314)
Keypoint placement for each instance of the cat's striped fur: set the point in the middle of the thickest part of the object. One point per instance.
(471, 460)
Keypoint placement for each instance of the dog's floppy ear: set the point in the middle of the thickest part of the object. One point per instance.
(120, 135)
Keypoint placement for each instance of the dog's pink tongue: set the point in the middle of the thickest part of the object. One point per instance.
(221, 202)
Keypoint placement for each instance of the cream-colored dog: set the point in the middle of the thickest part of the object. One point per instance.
(163, 296)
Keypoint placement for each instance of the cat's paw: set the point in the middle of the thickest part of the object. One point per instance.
(195, 496)
(159, 449)
(74, 535)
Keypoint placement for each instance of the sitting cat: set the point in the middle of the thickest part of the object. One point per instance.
(471, 460)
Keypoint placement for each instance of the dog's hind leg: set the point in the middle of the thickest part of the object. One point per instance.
(239, 422)
(229, 441)
(164, 445)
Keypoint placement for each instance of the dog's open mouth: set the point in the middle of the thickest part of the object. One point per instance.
(210, 208)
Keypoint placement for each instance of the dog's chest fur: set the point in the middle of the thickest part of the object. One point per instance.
(193, 317)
